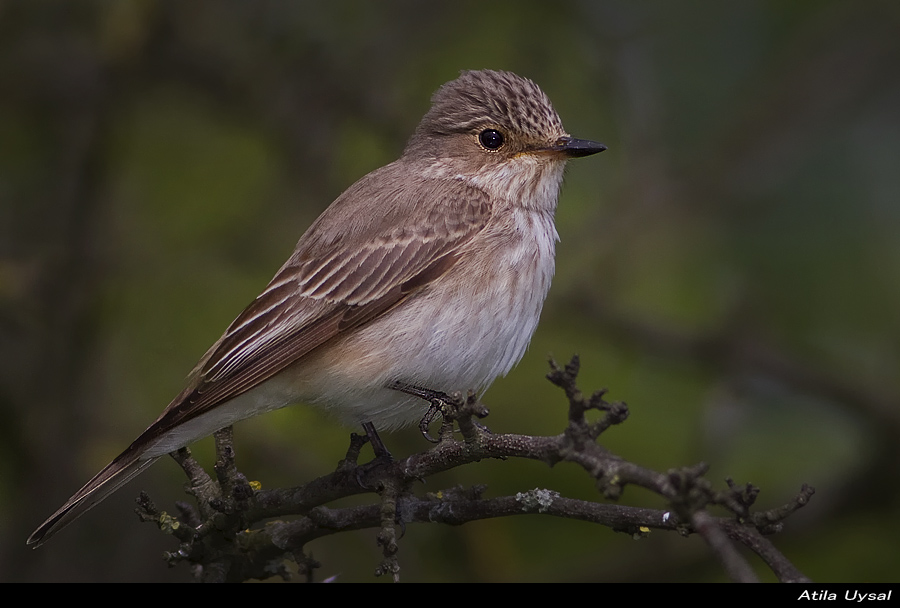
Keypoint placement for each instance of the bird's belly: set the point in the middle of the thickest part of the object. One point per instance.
(465, 329)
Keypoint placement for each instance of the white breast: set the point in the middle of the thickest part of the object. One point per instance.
(463, 330)
(460, 332)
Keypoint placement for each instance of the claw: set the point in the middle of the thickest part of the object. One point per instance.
(437, 399)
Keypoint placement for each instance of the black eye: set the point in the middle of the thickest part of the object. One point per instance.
(490, 139)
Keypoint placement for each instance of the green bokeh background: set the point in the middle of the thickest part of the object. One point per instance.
(730, 267)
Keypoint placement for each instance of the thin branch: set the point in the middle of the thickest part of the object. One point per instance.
(222, 547)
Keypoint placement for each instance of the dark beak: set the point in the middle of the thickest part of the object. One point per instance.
(576, 148)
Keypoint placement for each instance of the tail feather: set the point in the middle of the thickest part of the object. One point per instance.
(116, 474)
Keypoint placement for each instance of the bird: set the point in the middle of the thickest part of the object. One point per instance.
(429, 272)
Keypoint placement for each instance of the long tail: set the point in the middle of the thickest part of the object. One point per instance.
(116, 474)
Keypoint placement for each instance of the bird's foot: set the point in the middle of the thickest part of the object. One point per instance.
(441, 404)
(451, 408)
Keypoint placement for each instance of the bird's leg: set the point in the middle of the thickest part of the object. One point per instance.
(381, 452)
(382, 456)
(439, 402)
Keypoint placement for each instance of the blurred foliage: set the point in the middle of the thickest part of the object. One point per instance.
(730, 267)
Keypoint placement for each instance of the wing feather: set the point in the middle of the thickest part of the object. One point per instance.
(348, 269)
(319, 295)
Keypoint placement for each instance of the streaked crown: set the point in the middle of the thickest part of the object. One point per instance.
(484, 98)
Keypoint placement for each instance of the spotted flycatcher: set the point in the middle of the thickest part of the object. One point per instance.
(430, 272)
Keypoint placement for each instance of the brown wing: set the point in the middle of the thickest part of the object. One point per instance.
(351, 266)
(325, 291)
(264, 340)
